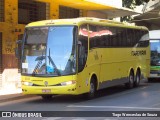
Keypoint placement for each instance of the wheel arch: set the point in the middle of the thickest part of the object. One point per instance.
(95, 78)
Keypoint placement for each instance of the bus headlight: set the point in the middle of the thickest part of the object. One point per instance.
(68, 83)
(27, 83)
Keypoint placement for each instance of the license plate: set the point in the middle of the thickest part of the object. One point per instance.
(46, 90)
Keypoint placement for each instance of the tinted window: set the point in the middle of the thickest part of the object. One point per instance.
(104, 36)
(82, 44)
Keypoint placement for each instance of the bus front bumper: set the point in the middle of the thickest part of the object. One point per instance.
(70, 90)
(154, 74)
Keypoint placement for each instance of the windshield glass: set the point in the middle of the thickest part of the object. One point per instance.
(49, 51)
(155, 52)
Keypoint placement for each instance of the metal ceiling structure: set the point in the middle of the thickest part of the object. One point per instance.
(111, 11)
(151, 15)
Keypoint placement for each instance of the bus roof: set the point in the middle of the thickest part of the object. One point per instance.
(154, 34)
(78, 21)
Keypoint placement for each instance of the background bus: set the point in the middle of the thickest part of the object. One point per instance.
(155, 53)
(82, 55)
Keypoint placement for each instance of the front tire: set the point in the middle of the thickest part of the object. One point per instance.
(92, 92)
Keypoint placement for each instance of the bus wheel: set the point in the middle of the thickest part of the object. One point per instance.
(130, 83)
(137, 79)
(46, 97)
(92, 91)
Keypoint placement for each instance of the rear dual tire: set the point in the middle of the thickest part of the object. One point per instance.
(137, 79)
(133, 81)
(130, 83)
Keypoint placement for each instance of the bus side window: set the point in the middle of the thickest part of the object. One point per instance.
(92, 36)
(82, 44)
(123, 35)
(102, 41)
(119, 37)
(130, 38)
(144, 39)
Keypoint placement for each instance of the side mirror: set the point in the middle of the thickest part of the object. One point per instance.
(18, 49)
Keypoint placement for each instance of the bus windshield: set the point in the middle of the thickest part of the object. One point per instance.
(155, 52)
(49, 51)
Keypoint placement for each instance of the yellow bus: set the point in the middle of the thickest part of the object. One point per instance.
(82, 55)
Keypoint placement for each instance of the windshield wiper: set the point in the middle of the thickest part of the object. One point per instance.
(50, 60)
